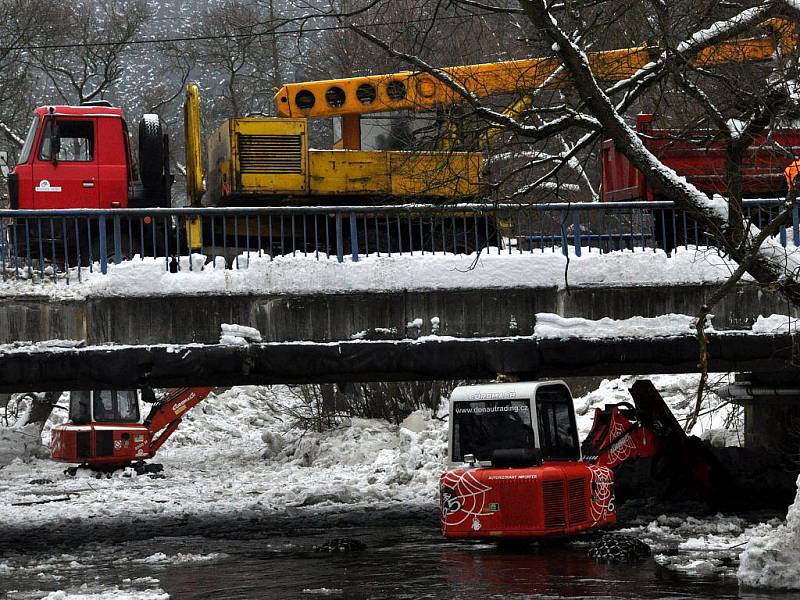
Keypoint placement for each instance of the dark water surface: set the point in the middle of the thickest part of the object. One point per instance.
(407, 561)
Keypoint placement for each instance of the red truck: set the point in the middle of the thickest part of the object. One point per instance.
(80, 157)
(700, 157)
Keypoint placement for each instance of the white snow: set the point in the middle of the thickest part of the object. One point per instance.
(241, 452)
(550, 325)
(415, 324)
(679, 393)
(775, 324)
(105, 594)
(435, 325)
(21, 444)
(161, 558)
(772, 559)
(238, 335)
(698, 546)
(718, 28)
(249, 333)
(306, 275)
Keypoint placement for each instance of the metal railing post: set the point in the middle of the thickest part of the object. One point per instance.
(353, 237)
(564, 240)
(795, 226)
(117, 240)
(339, 238)
(103, 243)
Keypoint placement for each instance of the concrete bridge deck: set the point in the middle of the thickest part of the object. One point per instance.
(326, 317)
(361, 361)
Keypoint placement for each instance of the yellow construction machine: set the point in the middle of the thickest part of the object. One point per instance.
(267, 161)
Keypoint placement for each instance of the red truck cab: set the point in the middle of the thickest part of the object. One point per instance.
(80, 157)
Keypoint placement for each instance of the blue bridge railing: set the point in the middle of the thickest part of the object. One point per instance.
(39, 245)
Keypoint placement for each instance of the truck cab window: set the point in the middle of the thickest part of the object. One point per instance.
(25, 153)
(71, 141)
(558, 435)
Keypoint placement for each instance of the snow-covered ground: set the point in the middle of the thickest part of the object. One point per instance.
(305, 274)
(241, 454)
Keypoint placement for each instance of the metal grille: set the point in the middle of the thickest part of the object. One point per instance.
(576, 499)
(553, 494)
(270, 153)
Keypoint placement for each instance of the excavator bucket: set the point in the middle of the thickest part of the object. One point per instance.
(622, 432)
(684, 459)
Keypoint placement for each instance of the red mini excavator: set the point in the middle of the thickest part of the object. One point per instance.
(519, 471)
(105, 432)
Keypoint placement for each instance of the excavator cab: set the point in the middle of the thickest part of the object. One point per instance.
(104, 429)
(104, 406)
(515, 428)
(517, 469)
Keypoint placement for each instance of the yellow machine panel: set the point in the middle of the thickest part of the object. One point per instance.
(427, 174)
(441, 174)
(348, 172)
(257, 155)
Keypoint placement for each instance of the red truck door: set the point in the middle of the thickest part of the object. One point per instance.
(65, 166)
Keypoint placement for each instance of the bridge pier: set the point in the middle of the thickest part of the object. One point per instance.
(771, 404)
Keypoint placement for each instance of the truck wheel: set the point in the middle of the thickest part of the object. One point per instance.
(151, 153)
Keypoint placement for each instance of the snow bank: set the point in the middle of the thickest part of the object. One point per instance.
(306, 275)
(679, 393)
(241, 453)
(773, 559)
(550, 325)
(21, 443)
(698, 545)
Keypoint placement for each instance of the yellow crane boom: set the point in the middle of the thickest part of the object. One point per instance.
(352, 97)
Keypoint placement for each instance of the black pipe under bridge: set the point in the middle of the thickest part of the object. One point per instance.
(38, 368)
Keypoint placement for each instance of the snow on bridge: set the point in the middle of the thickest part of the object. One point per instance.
(398, 297)
(303, 275)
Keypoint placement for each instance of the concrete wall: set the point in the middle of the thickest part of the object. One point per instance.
(462, 313)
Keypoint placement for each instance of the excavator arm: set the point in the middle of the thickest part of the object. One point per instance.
(167, 414)
(622, 433)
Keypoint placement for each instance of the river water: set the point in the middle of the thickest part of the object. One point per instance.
(404, 560)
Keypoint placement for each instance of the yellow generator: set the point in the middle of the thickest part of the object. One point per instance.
(258, 161)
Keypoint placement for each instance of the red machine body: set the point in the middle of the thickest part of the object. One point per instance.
(527, 476)
(104, 429)
(700, 157)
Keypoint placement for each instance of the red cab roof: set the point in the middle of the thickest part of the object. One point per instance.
(80, 111)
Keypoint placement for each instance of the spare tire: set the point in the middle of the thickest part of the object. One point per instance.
(151, 153)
